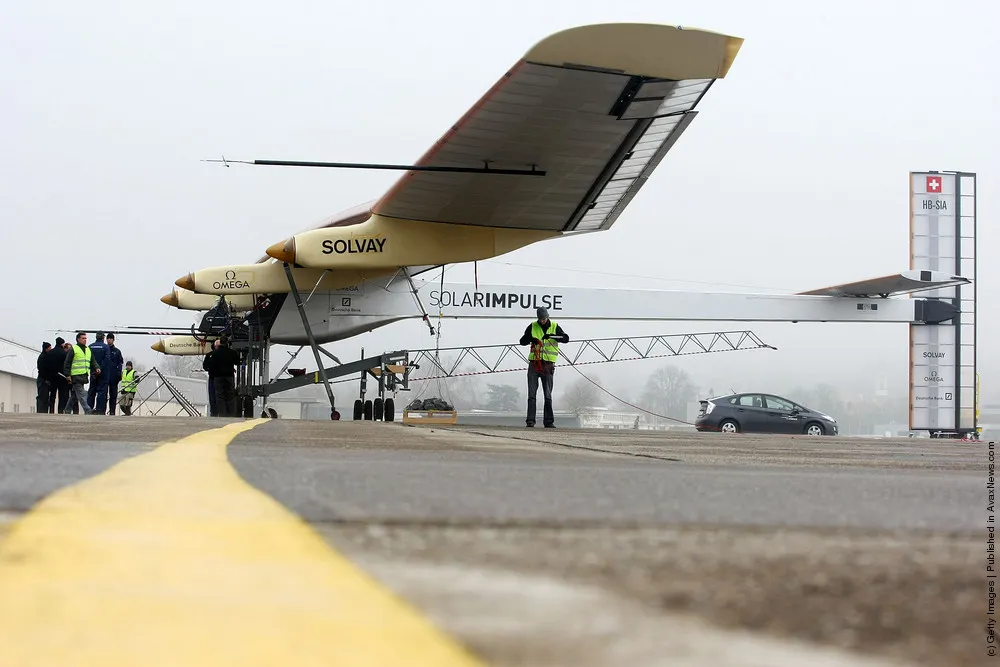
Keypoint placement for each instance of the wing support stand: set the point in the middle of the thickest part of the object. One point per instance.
(423, 311)
(312, 341)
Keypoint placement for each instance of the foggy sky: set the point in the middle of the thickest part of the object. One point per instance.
(793, 176)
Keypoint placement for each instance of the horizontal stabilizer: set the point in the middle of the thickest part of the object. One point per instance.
(899, 283)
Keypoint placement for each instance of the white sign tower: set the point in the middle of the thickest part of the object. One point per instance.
(943, 379)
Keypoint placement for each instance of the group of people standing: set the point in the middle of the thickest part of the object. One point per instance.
(65, 370)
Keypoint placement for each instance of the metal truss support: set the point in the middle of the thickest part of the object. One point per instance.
(181, 399)
(508, 358)
(393, 359)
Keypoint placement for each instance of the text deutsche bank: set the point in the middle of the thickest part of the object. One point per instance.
(496, 300)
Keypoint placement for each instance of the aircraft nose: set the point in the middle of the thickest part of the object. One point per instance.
(170, 299)
(283, 251)
(158, 346)
(186, 282)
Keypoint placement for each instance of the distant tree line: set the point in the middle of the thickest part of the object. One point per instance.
(668, 391)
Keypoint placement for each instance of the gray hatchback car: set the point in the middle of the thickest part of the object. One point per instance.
(761, 413)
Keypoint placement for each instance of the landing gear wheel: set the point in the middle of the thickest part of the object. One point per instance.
(272, 413)
(334, 415)
(247, 407)
(359, 409)
(729, 426)
(377, 406)
(368, 411)
(390, 409)
(814, 428)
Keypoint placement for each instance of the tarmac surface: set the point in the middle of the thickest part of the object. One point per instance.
(523, 547)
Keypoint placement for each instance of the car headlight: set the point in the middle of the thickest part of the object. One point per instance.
(828, 418)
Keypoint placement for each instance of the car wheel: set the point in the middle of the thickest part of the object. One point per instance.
(814, 428)
(729, 426)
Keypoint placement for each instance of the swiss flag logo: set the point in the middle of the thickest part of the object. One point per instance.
(933, 184)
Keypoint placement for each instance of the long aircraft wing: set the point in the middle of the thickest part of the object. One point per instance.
(596, 107)
(906, 282)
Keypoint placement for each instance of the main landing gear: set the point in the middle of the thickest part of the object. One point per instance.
(381, 408)
(378, 409)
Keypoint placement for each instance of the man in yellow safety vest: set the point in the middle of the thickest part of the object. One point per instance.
(128, 389)
(77, 368)
(544, 336)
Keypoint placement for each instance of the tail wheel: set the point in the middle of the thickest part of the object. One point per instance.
(359, 409)
(814, 428)
(729, 426)
(334, 415)
(368, 411)
(377, 406)
(390, 410)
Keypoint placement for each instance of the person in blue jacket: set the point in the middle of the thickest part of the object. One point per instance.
(97, 395)
(116, 364)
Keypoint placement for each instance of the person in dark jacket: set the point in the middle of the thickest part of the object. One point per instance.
(213, 407)
(116, 364)
(42, 380)
(222, 371)
(58, 389)
(97, 395)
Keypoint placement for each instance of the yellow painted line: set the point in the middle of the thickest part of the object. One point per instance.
(170, 558)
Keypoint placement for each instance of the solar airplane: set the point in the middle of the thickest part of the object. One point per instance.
(557, 146)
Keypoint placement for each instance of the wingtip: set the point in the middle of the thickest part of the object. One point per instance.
(648, 49)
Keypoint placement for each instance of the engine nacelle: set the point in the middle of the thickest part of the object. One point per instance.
(183, 345)
(388, 243)
(269, 278)
(185, 299)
